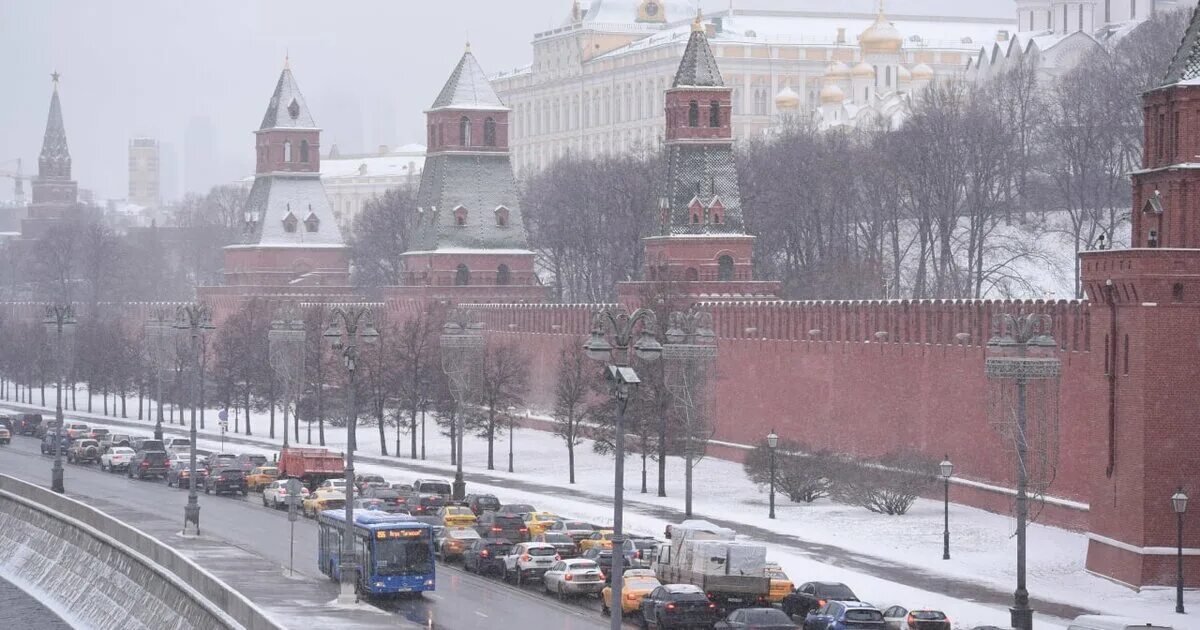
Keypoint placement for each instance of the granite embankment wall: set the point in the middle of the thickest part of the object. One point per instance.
(103, 574)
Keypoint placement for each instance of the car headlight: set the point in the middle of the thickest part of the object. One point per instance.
(428, 582)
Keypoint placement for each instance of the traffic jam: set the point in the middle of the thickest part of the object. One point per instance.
(695, 575)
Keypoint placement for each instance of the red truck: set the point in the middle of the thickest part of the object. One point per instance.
(310, 465)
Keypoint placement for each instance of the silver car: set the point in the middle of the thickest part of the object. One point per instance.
(576, 576)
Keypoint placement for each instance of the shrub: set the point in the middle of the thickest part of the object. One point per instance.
(800, 475)
(886, 485)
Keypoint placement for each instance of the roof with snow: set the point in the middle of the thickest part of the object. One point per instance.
(481, 186)
(391, 165)
(287, 109)
(698, 68)
(1185, 67)
(468, 88)
(290, 210)
(55, 159)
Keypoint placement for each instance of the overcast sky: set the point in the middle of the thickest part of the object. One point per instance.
(161, 67)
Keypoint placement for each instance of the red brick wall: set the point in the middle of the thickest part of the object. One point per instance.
(443, 130)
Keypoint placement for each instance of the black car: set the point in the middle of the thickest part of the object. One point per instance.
(678, 606)
(602, 557)
(756, 619)
(224, 481)
(811, 596)
(563, 544)
(147, 444)
(47, 446)
(180, 473)
(497, 525)
(249, 462)
(480, 503)
(392, 501)
(148, 464)
(516, 509)
(422, 504)
(218, 461)
(486, 555)
(27, 424)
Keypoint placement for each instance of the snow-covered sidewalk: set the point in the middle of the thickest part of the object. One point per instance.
(821, 541)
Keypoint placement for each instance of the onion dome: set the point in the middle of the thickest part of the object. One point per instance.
(922, 72)
(837, 70)
(881, 37)
(863, 69)
(787, 98)
(904, 74)
(832, 94)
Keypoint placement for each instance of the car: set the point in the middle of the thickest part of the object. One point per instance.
(75, 430)
(813, 595)
(338, 484)
(843, 615)
(497, 525)
(454, 541)
(392, 500)
(47, 446)
(781, 584)
(516, 509)
(528, 561)
(402, 488)
(440, 487)
(577, 530)
(260, 476)
(457, 516)
(220, 461)
(276, 493)
(175, 443)
(117, 458)
(901, 618)
(600, 539)
(756, 619)
(97, 433)
(179, 475)
(638, 583)
(314, 503)
(1112, 622)
(480, 503)
(249, 461)
(147, 444)
(224, 481)
(27, 424)
(575, 576)
(424, 504)
(602, 557)
(539, 522)
(639, 550)
(486, 555)
(113, 440)
(361, 481)
(5, 434)
(678, 605)
(84, 451)
(147, 464)
(375, 505)
(43, 428)
(564, 545)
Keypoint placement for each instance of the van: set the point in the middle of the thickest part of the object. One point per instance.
(1110, 622)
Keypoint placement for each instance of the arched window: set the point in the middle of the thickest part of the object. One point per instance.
(691, 275)
(714, 114)
(464, 131)
(287, 150)
(502, 216)
(290, 222)
(725, 268)
(693, 114)
(887, 73)
(463, 276)
(489, 132)
(460, 216)
(502, 275)
(304, 151)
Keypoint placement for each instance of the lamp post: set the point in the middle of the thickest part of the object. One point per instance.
(348, 326)
(285, 343)
(156, 328)
(623, 380)
(772, 442)
(512, 412)
(1021, 352)
(1179, 502)
(946, 468)
(193, 320)
(462, 346)
(60, 324)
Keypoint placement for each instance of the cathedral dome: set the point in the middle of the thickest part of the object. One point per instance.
(904, 74)
(881, 37)
(787, 98)
(922, 72)
(837, 70)
(863, 69)
(832, 94)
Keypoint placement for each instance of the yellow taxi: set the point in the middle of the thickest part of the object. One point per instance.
(260, 476)
(638, 584)
(458, 516)
(781, 584)
(539, 522)
(601, 539)
(323, 499)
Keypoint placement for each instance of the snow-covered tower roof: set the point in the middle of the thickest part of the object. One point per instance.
(287, 109)
(55, 159)
(468, 88)
(698, 68)
(1185, 67)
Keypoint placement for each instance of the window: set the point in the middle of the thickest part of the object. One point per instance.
(691, 275)
(502, 216)
(1107, 13)
(290, 223)
(1064, 23)
(887, 73)
(1080, 18)
(463, 276)
(1177, 292)
(287, 150)
(460, 216)
(693, 114)
(714, 114)
(1133, 9)
(311, 222)
(489, 132)
(725, 268)
(304, 151)
(502, 275)
(464, 131)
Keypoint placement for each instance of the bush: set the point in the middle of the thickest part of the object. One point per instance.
(801, 476)
(887, 485)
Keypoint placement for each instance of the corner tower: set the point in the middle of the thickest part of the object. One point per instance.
(54, 192)
(469, 240)
(701, 248)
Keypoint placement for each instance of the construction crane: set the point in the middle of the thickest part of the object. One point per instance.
(18, 182)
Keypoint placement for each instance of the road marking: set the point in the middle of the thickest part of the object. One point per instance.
(481, 614)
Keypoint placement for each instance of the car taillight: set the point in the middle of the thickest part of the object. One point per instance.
(221, 478)
(670, 606)
(712, 605)
(484, 553)
(631, 597)
(602, 575)
(525, 558)
(557, 557)
(145, 464)
(568, 577)
(496, 529)
(524, 529)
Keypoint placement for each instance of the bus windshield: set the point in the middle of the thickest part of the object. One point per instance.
(403, 557)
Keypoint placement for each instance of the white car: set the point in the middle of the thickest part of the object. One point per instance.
(117, 458)
(275, 494)
(576, 576)
(333, 484)
(75, 429)
(529, 561)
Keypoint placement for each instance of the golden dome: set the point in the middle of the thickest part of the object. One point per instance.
(832, 94)
(787, 98)
(922, 72)
(837, 70)
(881, 37)
(903, 74)
(863, 70)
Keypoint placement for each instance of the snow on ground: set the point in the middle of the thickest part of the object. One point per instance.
(982, 544)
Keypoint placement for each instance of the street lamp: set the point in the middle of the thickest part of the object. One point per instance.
(623, 380)
(512, 411)
(285, 342)
(462, 348)
(193, 320)
(156, 333)
(1179, 502)
(60, 324)
(772, 442)
(946, 468)
(348, 326)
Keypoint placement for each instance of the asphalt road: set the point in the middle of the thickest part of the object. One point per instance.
(260, 537)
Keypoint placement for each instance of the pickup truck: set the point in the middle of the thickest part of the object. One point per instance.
(732, 572)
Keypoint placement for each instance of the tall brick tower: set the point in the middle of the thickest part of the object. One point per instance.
(1147, 320)
(55, 194)
(702, 249)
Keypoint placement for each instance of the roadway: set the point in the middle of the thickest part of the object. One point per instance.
(259, 538)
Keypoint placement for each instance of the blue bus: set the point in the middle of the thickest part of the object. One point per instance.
(393, 553)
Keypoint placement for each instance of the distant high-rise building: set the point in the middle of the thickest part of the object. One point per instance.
(199, 156)
(144, 174)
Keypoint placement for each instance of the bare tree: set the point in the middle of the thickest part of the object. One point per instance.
(380, 235)
(503, 383)
(418, 370)
(570, 398)
(888, 485)
(800, 473)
